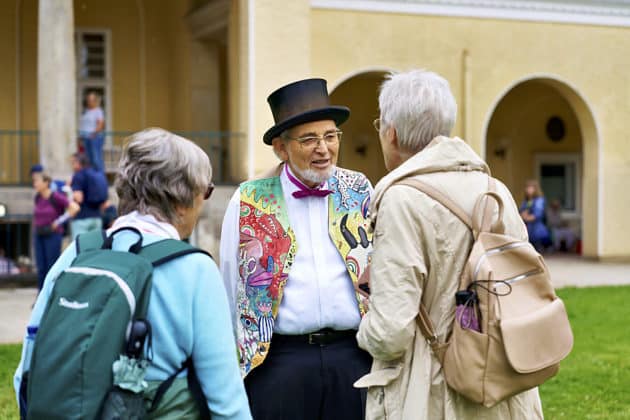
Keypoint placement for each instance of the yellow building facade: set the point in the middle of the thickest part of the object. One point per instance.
(542, 88)
(513, 68)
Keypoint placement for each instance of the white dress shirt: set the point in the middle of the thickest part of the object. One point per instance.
(319, 292)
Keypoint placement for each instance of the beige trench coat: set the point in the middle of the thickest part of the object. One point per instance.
(420, 249)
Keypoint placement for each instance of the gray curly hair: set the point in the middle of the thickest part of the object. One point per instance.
(160, 171)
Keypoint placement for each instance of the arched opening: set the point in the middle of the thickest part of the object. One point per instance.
(541, 128)
(360, 149)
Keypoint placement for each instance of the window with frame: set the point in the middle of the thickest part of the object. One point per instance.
(92, 69)
(560, 179)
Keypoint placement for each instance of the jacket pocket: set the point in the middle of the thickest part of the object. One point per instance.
(383, 398)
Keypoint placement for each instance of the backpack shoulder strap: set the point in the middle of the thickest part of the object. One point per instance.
(90, 240)
(440, 197)
(422, 319)
(166, 250)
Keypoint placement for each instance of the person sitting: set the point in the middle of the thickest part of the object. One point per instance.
(562, 235)
(533, 213)
(7, 266)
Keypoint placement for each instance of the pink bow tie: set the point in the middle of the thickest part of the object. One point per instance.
(311, 192)
(305, 191)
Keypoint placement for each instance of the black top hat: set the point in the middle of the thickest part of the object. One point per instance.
(301, 102)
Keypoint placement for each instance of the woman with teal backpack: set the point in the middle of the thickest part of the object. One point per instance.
(162, 183)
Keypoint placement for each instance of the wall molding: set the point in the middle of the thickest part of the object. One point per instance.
(587, 12)
(210, 21)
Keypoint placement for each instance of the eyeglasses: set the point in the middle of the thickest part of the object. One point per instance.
(208, 192)
(311, 141)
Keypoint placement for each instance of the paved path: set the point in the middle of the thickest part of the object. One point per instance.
(15, 309)
(15, 304)
(573, 271)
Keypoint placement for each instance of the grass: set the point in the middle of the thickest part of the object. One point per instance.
(9, 359)
(593, 383)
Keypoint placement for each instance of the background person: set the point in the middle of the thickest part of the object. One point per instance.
(293, 245)
(561, 232)
(56, 184)
(533, 213)
(162, 183)
(49, 207)
(7, 265)
(87, 190)
(91, 127)
(420, 251)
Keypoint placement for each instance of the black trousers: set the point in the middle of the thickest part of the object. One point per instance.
(302, 381)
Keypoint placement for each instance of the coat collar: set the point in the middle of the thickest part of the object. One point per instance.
(442, 154)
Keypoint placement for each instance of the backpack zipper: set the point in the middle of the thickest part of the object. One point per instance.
(497, 250)
(131, 300)
(523, 276)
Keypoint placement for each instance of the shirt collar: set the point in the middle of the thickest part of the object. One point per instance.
(145, 223)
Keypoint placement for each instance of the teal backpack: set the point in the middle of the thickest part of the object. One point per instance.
(94, 307)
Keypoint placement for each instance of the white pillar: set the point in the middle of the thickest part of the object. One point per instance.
(56, 86)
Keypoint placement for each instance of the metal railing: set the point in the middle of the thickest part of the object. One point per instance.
(19, 150)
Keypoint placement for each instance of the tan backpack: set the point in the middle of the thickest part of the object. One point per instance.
(506, 288)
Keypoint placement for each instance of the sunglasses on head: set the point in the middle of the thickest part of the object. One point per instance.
(209, 190)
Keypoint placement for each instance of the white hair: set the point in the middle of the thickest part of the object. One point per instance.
(419, 105)
(160, 171)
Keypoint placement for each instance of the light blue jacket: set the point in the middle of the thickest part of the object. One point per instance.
(189, 315)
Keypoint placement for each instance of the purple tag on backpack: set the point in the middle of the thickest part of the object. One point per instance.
(466, 310)
(467, 317)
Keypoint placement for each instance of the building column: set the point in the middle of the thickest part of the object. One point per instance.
(56, 86)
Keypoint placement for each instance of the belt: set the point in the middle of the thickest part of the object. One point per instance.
(321, 337)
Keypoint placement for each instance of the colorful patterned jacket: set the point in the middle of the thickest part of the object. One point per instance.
(267, 249)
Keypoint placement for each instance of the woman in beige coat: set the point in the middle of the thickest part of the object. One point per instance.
(420, 249)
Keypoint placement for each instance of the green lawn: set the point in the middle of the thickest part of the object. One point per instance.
(593, 383)
(9, 358)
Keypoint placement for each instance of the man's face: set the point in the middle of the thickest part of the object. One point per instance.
(312, 165)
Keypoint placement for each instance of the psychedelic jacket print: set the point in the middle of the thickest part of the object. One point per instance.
(267, 249)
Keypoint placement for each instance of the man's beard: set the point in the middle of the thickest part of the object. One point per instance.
(311, 175)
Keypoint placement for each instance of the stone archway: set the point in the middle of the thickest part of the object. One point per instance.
(360, 149)
(542, 128)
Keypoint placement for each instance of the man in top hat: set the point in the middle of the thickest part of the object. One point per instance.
(294, 244)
